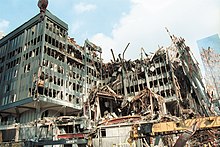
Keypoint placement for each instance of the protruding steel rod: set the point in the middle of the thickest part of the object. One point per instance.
(123, 55)
(113, 55)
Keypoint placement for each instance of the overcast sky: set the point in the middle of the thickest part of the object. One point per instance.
(114, 24)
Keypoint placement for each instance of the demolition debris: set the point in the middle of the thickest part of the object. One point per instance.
(56, 92)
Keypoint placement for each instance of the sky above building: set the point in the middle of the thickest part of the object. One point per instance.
(113, 24)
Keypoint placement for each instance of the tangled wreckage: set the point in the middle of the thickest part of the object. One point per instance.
(67, 96)
(152, 101)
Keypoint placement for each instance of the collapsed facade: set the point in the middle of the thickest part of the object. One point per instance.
(165, 86)
(55, 92)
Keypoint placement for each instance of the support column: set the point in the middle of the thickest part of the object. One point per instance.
(37, 116)
(16, 133)
(1, 136)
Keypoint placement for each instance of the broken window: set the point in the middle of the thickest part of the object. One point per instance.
(77, 100)
(67, 85)
(25, 47)
(1, 69)
(71, 74)
(50, 27)
(60, 69)
(46, 91)
(47, 25)
(160, 82)
(70, 98)
(27, 68)
(58, 94)
(50, 93)
(55, 67)
(58, 82)
(155, 83)
(158, 71)
(53, 42)
(70, 85)
(45, 63)
(42, 76)
(77, 87)
(14, 96)
(15, 73)
(50, 79)
(74, 86)
(61, 82)
(33, 53)
(54, 93)
(40, 90)
(49, 39)
(26, 56)
(7, 88)
(57, 43)
(51, 66)
(55, 80)
(61, 95)
(38, 39)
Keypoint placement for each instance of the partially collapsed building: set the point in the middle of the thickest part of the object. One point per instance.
(56, 92)
(43, 73)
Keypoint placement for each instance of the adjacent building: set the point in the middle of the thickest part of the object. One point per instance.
(210, 54)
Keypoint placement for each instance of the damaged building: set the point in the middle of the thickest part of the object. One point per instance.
(209, 51)
(43, 73)
(162, 87)
(54, 92)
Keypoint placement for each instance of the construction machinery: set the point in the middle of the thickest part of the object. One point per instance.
(184, 130)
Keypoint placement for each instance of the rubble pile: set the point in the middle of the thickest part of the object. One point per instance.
(164, 86)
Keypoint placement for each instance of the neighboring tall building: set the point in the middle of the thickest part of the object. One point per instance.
(210, 53)
(43, 73)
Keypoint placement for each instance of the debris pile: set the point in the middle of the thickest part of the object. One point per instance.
(164, 86)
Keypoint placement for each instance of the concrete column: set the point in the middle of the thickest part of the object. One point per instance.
(1, 136)
(17, 133)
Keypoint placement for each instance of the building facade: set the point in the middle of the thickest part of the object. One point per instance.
(210, 54)
(43, 73)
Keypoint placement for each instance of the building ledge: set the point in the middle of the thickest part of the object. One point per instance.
(45, 103)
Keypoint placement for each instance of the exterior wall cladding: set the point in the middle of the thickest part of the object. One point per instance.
(45, 74)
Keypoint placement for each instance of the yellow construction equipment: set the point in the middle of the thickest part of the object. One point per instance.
(202, 123)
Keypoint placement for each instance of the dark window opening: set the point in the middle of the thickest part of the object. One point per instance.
(40, 90)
